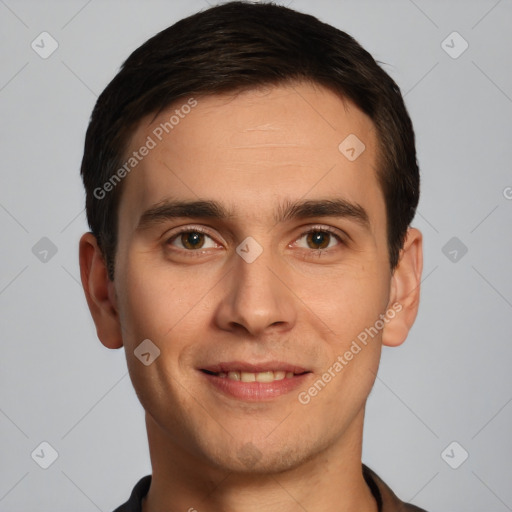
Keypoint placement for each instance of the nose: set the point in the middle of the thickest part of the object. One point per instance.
(256, 297)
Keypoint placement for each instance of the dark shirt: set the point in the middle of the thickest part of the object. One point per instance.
(386, 499)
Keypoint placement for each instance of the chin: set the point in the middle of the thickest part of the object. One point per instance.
(261, 458)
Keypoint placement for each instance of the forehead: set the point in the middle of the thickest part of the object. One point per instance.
(246, 148)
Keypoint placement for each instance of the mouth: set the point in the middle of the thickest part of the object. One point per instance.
(254, 382)
(266, 376)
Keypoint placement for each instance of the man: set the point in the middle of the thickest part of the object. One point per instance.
(251, 178)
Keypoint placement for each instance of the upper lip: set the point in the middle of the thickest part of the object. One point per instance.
(267, 366)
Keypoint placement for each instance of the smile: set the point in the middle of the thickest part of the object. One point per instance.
(268, 376)
(254, 382)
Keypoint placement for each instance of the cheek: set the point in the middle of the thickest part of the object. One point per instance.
(349, 303)
(163, 304)
(155, 307)
(150, 303)
(348, 300)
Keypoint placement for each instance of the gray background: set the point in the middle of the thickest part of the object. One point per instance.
(450, 381)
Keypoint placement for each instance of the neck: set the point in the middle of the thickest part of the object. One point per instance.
(330, 481)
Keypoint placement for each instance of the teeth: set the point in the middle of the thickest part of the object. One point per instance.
(269, 376)
(265, 377)
(248, 377)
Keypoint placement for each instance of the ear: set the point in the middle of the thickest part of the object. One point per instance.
(404, 295)
(99, 292)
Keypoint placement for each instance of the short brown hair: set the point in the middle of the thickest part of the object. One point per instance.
(238, 46)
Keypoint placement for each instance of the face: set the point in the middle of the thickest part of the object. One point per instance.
(253, 293)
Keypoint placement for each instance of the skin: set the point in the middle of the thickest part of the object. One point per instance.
(250, 152)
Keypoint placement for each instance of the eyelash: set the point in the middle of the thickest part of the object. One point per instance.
(313, 229)
(322, 229)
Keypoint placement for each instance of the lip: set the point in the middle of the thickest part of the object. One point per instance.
(267, 366)
(254, 391)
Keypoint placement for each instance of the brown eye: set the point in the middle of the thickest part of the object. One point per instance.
(318, 239)
(192, 240)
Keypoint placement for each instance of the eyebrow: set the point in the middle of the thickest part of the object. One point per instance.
(289, 210)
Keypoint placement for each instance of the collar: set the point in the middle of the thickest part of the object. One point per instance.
(386, 499)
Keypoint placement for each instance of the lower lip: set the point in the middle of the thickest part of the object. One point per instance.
(255, 391)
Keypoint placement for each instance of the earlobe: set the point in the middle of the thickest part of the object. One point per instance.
(99, 292)
(405, 290)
